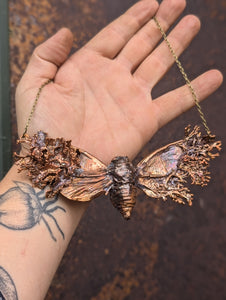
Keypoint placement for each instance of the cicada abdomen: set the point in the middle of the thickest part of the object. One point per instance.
(122, 192)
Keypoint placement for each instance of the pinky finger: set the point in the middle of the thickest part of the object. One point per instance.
(176, 102)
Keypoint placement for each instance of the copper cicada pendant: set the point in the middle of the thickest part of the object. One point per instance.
(79, 176)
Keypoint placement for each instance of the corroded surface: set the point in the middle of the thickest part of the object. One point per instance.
(166, 251)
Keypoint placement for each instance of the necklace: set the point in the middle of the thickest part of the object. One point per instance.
(79, 176)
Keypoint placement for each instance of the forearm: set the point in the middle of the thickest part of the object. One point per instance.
(34, 233)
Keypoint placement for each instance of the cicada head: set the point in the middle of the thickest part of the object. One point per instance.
(122, 192)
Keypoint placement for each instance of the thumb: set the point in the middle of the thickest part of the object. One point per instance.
(49, 56)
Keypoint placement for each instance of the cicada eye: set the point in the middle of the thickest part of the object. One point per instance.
(121, 169)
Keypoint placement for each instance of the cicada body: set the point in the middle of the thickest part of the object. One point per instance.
(79, 176)
(122, 192)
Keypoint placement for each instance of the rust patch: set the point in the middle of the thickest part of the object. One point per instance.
(127, 280)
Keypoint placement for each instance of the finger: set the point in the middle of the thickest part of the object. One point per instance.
(109, 41)
(146, 39)
(48, 56)
(161, 59)
(176, 102)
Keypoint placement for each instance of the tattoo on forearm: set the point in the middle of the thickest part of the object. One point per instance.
(7, 286)
(22, 208)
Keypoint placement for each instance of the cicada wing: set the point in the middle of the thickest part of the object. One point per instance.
(158, 174)
(161, 162)
(91, 179)
(164, 172)
(63, 168)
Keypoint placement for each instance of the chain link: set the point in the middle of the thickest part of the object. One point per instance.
(188, 82)
(34, 105)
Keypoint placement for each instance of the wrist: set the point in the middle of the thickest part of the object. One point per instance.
(17, 189)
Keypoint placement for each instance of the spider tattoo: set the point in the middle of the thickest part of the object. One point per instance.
(22, 208)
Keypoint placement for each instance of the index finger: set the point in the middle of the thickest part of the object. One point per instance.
(110, 40)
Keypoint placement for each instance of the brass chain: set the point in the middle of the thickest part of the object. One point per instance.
(188, 82)
(34, 105)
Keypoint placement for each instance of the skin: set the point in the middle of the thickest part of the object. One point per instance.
(100, 99)
(104, 89)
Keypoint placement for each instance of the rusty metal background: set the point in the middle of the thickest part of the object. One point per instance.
(166, 251)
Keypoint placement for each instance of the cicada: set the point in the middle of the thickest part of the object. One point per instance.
(79, 176)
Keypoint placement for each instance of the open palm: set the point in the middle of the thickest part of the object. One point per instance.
(100, 97)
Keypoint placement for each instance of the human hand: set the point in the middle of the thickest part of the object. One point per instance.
(101, 95)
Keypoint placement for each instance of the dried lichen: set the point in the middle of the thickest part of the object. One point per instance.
(49, 162)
